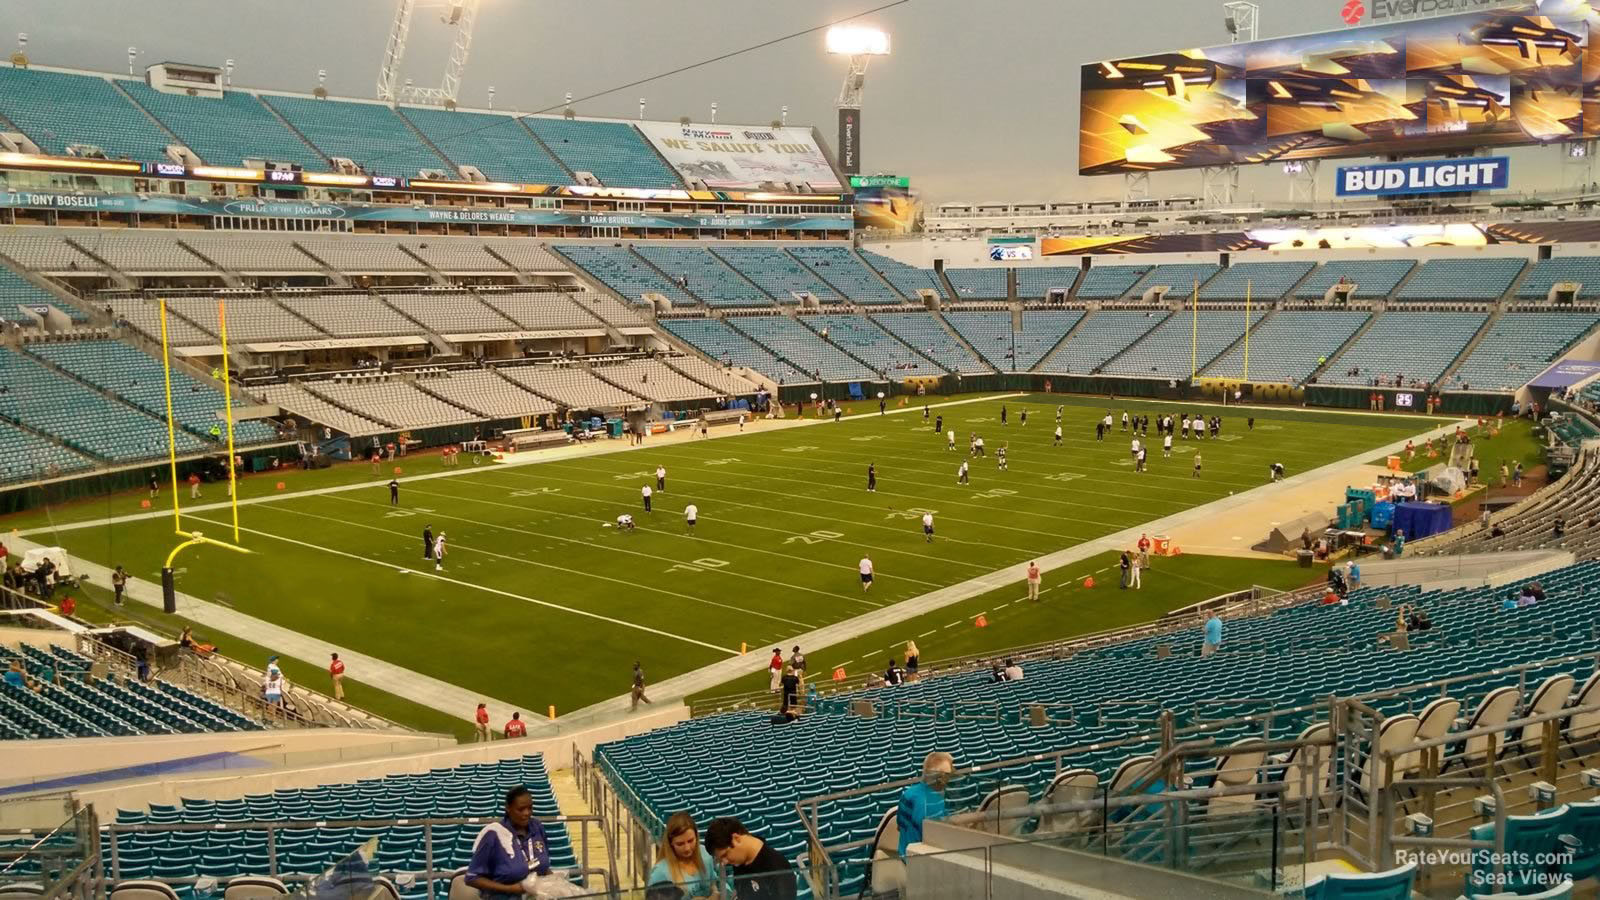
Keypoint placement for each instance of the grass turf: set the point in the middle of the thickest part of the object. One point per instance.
(541, 604)
(1514, 444)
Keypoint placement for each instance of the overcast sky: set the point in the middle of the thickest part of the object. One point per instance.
(977, 103)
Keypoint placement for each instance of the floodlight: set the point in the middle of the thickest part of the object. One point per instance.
(858, 40)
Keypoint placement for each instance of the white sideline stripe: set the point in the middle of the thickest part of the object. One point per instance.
(530, 562)
(479, 587)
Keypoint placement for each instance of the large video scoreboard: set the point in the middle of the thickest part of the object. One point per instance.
(1516, 75)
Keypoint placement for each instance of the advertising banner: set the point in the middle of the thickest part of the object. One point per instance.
(1430, 177)
(1566, 374)
(170, 204)
(850, 141)
(1480, 78)
(742, 157)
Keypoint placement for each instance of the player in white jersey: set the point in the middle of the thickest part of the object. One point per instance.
(927, 527)
(438, 553)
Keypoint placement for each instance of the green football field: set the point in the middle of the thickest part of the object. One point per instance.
(541, 602)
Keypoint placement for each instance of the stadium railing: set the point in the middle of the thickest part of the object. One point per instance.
(1252, 601)
(51, 860)
(429, 875)
(1343, 814)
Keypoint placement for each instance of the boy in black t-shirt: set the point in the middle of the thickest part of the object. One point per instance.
(760, 872)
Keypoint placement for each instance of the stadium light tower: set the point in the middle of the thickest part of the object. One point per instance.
(861, 43)
(1242, 20)
(460, 15)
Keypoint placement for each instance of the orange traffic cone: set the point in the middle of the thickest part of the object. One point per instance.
(281, 485)
(398, 470)
(1089, 582)
(982, 621)
(1176, 550)
(838, 674)
(144, 504)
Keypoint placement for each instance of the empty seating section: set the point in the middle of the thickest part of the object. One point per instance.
(654, 380)
(133, 253)
(70, 704)
(572, 388)
(777, 273)
(539, 310)
(907, 279)
(718, 340)
(724, 382)
(989, 332)
(686, 766)
(1107, 282)
(25, 456)
(16, 291)
(848, 275)
(1267, 281)
(617, 268)
(1372, 279)
(496, 144)
(79, 416)
(608, 308)
(706, 276)
(145, 315)
(451, 312)
(525, 253)
(1182, 341)
(923, 333)
(978, 284)
(1103, 335)
(371, 135)
(487, 394)
(614, 152)
(450, 255)
(306, 406)
(1036, 282)
(250, 319)
(349, 315)
(1461, 279)
(56, 109)
(44, 250)
(859, 337)
(140, 380)
(1517, 347)
(1547, 273)
(229, 131)
(399, 402)
(361, 254)
(1289, 346)
(1415, 347)
(1041, 330)
(252, 254)
(1179, 278)
(307, 848)
(801, 348)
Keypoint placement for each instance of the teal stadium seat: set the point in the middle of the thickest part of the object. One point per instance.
(228, 131)
(922, 332)
(978, 284)
(371, 135)
(1104, 334)
(708, 277)
(802, 348)
(1417, 346)
(1036, 282)
(496, 143)
(56, 109)
(722, 343)
(1547, 273)
(1287, 347)
(1267, 281)
(863, 339)
(1517, 347)
(614, 152)
(849, 276)
(907, 279)
(1461, 279)
(1185, 338)
(1108, 282)
(1372, 279)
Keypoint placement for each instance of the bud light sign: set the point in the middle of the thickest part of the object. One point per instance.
(1433, 177)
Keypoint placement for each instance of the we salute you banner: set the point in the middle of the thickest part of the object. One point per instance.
(742, 157)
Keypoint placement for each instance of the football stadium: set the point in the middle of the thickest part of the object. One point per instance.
(464, 492)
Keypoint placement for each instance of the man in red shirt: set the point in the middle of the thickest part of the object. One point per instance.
(1033, 580)
(482, 720)
(69, 606)
(516, 728)
(775, 669)
(194, 486)
(1144, 544)
(336, 672)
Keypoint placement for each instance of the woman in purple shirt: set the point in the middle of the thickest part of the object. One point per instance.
(507, 851)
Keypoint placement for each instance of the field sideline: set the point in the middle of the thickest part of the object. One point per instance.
(540, 604)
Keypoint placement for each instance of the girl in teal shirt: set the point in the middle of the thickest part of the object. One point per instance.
(683, 862)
